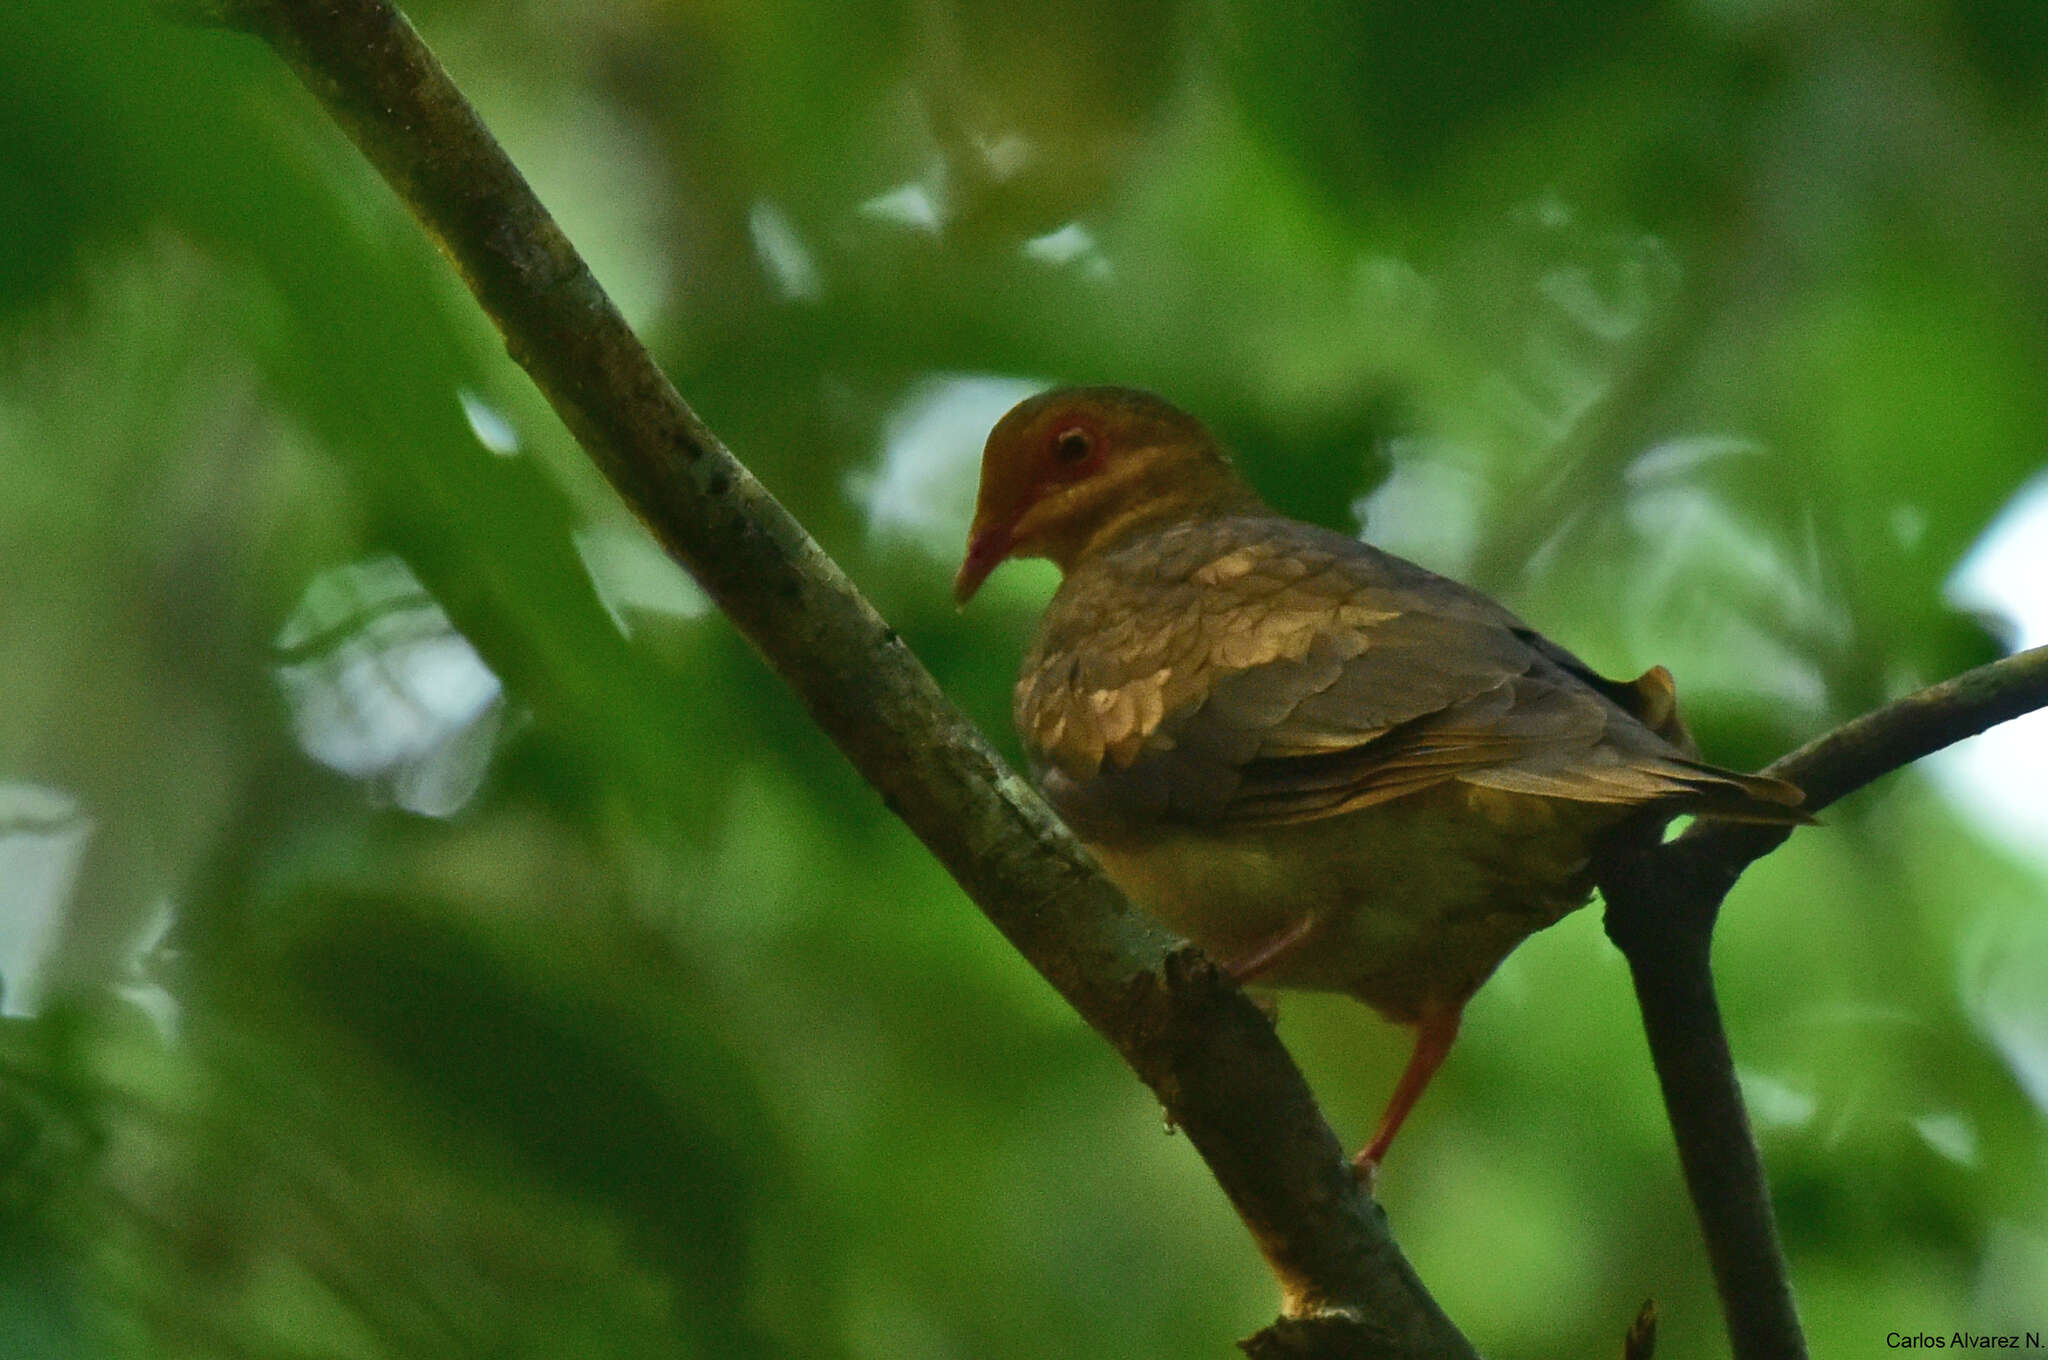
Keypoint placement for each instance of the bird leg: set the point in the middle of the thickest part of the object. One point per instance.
(1433, 1036)
(1255, 965)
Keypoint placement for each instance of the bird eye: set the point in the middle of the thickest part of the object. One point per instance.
(1073, 446)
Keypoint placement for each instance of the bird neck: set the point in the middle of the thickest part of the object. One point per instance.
(1145, 494)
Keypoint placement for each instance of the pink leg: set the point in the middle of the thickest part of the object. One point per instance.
(1260, 961)
(1433, 1036)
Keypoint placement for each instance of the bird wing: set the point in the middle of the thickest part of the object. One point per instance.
(1255, 671)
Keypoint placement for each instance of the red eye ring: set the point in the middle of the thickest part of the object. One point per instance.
(1073, 445)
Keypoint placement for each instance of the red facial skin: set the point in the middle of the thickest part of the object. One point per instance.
(1023, 465)
(1066, 471)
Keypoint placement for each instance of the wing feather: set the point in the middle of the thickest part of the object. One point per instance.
(1260, 671)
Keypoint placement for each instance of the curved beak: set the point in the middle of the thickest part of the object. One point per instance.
(986, 549)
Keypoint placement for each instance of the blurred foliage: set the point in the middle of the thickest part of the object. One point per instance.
(426, 930)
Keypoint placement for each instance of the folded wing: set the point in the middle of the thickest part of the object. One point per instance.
(1258, 671)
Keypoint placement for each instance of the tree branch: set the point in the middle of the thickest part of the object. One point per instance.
(1863, 750)
(1193, 1037)
(1662, 902)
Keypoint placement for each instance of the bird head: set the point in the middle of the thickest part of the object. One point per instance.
(1068, 472)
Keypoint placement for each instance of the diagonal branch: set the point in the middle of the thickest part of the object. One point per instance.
(1839, 762)
(1661, 906)
(1193, 1037)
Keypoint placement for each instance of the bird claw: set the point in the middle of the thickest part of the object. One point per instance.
(1257, 964)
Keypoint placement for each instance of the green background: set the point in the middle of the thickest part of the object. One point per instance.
(615, 1017)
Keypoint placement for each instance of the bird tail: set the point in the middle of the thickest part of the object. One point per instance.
(1728, 796)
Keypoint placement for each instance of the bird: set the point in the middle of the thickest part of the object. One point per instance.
(1328, 767)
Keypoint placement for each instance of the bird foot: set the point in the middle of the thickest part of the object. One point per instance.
(1434, 1035)
(1260, 961)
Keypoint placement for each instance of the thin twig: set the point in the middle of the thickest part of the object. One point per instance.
(1838, 762)
(1641, 1341)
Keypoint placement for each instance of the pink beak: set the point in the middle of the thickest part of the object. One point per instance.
(986, 549)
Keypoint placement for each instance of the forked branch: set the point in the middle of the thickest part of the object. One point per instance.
(1662, 903)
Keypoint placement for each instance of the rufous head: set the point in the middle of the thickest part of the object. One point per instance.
(1067, 471)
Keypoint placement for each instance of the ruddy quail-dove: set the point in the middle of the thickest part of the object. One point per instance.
(1328, 767)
